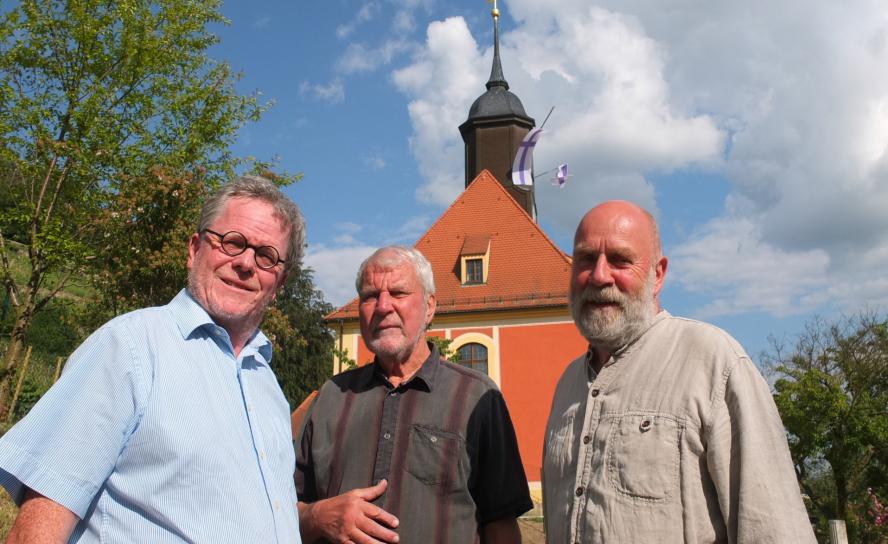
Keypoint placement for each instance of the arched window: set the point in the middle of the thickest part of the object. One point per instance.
(474, 356)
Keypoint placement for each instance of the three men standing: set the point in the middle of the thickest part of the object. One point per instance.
(664, 431)
(410, 448)
(168, 424)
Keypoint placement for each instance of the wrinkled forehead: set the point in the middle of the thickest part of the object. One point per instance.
(396, 271)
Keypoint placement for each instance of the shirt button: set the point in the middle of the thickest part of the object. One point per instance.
(579, 491)
(277, 505)
(262, 455)
(587, 439)
(595, 392)
(387, 436)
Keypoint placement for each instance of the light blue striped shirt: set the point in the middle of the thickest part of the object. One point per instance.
(156, 432)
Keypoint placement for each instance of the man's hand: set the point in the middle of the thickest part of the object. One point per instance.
(41, 520)
(349, 518)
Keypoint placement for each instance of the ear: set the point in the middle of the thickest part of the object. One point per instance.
(280, 285)
(193, 246)
(660, 274)
(430, 309)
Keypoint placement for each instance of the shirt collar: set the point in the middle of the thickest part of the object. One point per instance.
(191, 317)
(424, 377)
(590, 353)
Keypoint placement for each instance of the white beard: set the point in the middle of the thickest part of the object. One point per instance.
(611, 328)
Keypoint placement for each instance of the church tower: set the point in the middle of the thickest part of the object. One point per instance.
(493, 132)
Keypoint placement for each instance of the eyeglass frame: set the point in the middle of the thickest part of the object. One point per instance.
(247, 245)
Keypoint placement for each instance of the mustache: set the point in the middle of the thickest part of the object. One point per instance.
(602, 295)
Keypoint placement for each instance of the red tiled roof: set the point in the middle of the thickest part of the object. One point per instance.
(526, 269)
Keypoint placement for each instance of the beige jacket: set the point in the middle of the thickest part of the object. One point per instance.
(677, 439)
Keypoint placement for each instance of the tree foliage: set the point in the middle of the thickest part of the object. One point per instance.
(443, 345)
(303, 345)
(96, 96)
(832, 393)
(144, 232)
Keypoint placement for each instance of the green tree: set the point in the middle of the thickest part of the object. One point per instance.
(303, 344)
(144, 241)
(94, 96)
(832, 393)
(443, 345)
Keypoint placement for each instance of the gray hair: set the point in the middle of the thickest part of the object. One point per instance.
(401, 254)
(260, 188)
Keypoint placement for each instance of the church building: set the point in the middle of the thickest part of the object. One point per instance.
(501, 282)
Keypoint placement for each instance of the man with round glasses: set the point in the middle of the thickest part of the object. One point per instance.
(168, 424)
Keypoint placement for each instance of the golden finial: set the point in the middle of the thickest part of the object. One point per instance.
(494, 11)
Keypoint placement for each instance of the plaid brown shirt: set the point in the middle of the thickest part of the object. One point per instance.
(443, 440)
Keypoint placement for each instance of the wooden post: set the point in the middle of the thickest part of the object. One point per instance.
(18, 386)
(58, 371)
(837, 532)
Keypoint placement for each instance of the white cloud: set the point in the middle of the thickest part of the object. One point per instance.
(335, 269)
(403, 21)
(367, 12)
(360, 58)
(788, 101)
(260, 22)
(374, 162)
(613, 118)
(441, 82)
(408, 233)
(333, 92)
(728, 261)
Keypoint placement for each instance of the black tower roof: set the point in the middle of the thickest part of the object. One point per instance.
(498, 101)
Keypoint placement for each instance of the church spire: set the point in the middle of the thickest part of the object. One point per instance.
(495, 127)
(497, 79)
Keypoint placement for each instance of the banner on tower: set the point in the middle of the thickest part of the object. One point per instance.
(522, 167)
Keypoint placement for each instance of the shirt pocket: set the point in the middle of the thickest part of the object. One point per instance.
(644, 456)
(437, 457)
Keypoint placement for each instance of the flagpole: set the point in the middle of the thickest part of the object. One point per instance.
(547, 117)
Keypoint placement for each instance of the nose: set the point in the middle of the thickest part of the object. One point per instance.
(246, 261)
(601, 272)
(383, 303)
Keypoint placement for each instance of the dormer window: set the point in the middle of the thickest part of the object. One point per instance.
(474, 259)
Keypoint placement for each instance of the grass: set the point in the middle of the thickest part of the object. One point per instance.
(8, 511)
(53, 331)
(21, 271)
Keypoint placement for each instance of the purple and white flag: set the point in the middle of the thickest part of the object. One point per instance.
(522, 167)
(560, 176)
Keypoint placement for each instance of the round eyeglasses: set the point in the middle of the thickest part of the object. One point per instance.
(234, 243)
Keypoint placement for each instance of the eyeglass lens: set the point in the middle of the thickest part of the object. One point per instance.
(234, 243)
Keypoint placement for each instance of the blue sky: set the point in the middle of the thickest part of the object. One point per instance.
(755, 131)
